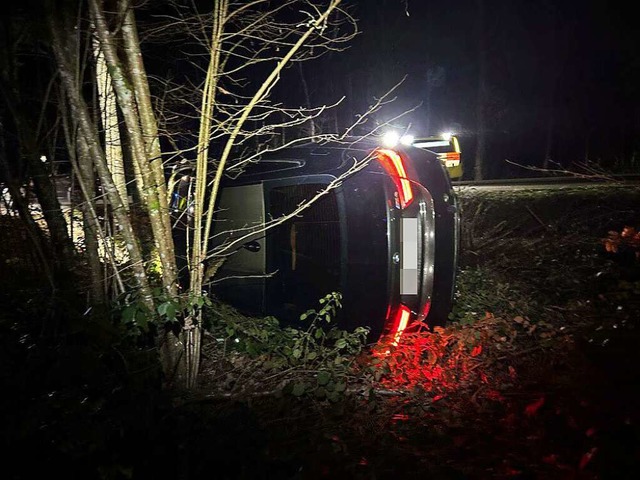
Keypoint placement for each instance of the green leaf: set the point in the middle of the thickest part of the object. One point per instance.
(323, 377)
(171, 311)
(142, 321)
(298, 389)
(162, 308)
(333, 396)
(297, 353)
(341, 343)
(129, 313)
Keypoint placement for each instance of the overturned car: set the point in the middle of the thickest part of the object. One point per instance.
(379, 225)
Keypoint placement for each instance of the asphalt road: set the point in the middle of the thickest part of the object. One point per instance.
(547, 183)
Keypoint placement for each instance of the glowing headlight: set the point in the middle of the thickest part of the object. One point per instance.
(407, 139)
(390, 139)
(446, 135)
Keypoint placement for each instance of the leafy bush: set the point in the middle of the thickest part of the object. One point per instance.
(315, 359)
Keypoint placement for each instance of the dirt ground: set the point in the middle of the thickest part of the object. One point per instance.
(535, 377)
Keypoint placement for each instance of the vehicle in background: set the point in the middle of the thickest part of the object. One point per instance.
(447, 147)
(382, 228)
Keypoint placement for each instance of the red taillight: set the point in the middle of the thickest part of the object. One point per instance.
(400, 322)
(426, 309)
(393, 164)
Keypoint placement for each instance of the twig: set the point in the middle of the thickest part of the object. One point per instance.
(544, 225)
(521, 352)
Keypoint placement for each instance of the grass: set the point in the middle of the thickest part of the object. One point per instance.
(533, 378)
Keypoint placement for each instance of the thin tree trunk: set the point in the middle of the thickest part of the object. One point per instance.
(28, 130)
(89, 132)
(482, 98)
(20, 204)
(86, 178)
(109, 117)
(555, 57)
(151, 196)
(46, 193)
(148, 119)
(192, 327)
(90, 226)
(550, 131)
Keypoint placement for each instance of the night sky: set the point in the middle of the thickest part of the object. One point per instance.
(563, 78)
(563, 71)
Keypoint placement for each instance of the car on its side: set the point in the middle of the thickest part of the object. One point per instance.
(447, 147)
(381, 227)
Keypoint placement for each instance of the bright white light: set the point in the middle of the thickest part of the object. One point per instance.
(43, 158)
(446, 135)
(390, 139)
(407, 139)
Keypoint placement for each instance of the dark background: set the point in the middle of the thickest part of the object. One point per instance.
(562, 77)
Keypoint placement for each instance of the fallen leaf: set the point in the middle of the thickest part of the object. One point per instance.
(533, 408)
(586, 458)
(494, 395)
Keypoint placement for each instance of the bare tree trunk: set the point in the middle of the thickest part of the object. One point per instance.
(192, 327)
(21, 205)
(150, 188)
(482, 98)
(556, 57)
(550, 131)
(109, 117)
(28, 129)
(86, 179)
(89, 133)
(45, 191)
(149, 126)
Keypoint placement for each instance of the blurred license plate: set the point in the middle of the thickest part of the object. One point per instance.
(409, 264)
